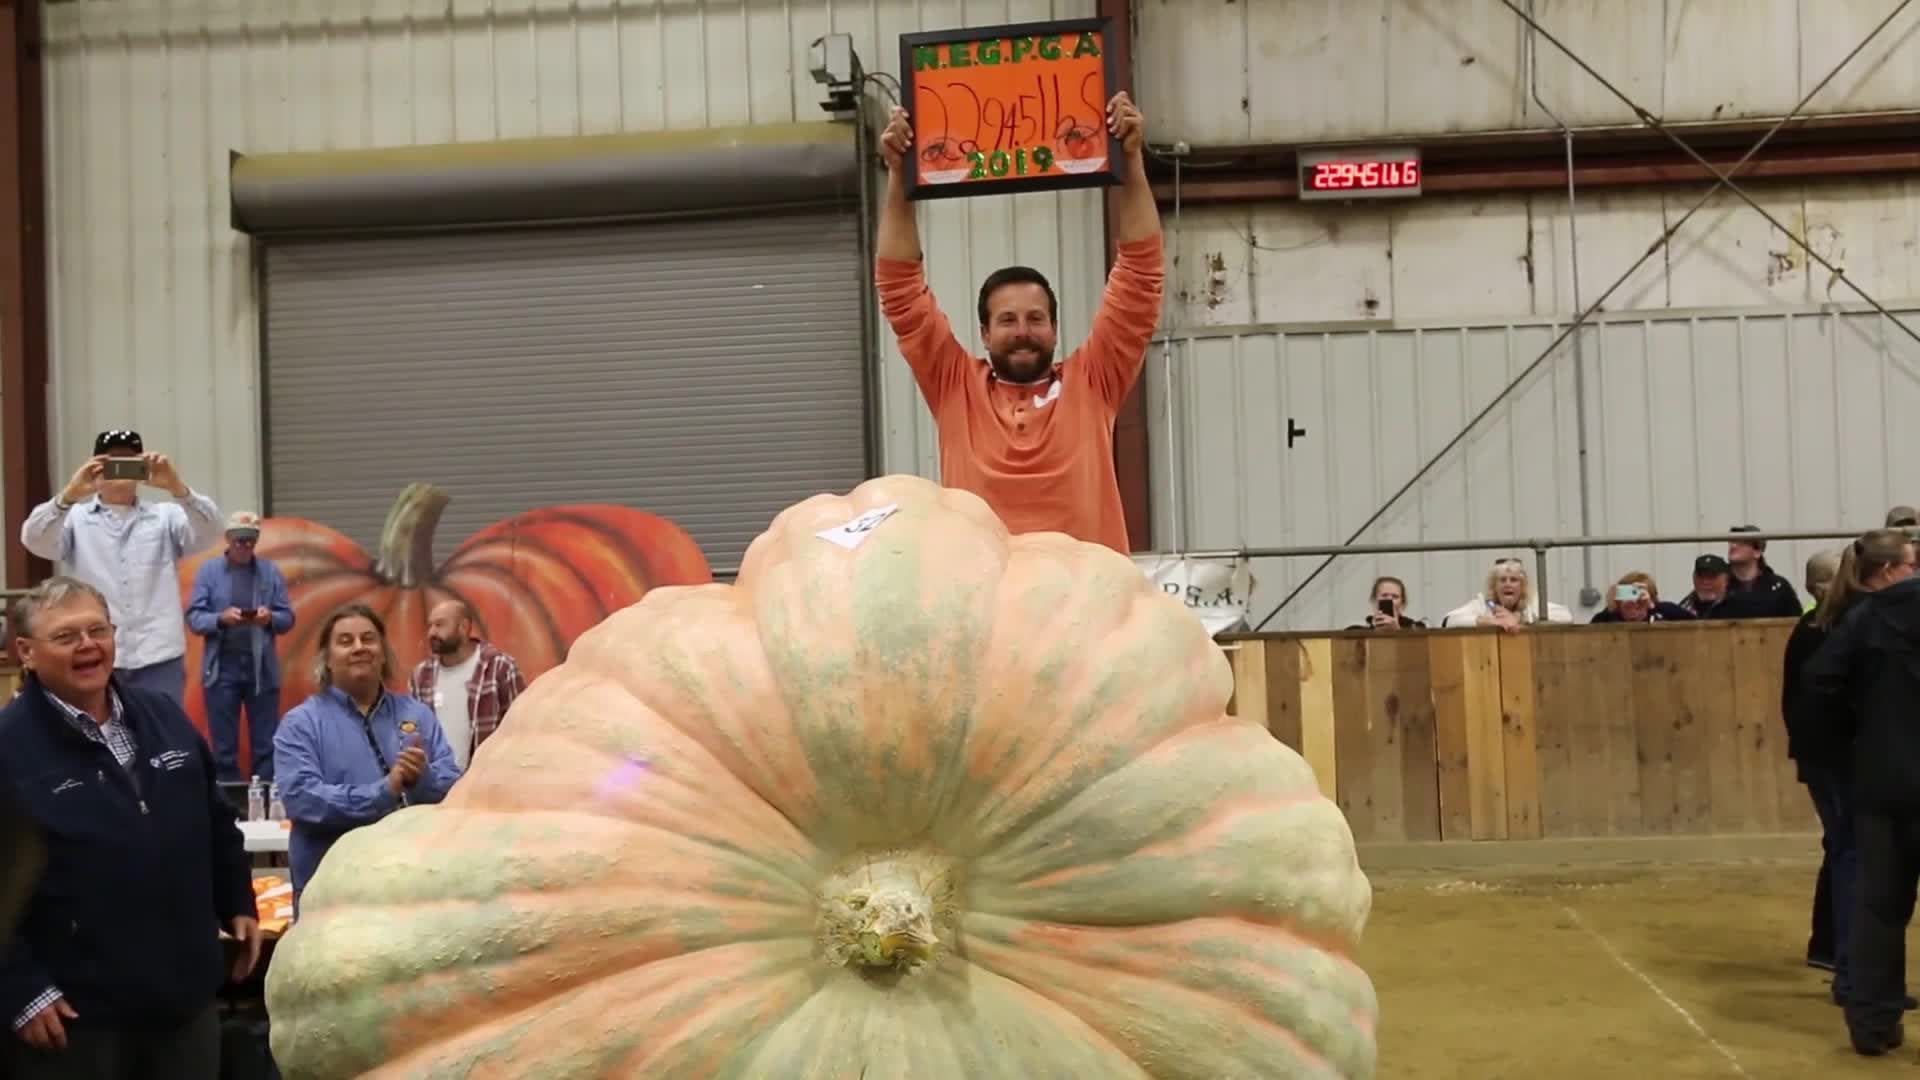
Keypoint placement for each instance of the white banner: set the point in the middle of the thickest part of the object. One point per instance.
(1217, 590)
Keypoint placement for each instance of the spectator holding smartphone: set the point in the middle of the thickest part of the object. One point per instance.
(1636, 598)
(239, 606)
(1389, 602)
(354, 752)
(130, 549)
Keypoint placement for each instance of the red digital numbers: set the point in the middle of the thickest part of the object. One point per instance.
(1370, 175)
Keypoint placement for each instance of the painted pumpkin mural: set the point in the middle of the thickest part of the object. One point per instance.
(536, 581)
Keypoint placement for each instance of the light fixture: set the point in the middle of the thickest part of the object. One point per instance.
(834, 65)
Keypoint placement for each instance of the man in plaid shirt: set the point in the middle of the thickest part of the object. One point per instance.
(467, 681)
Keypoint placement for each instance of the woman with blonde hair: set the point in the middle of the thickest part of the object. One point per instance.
(1854, 732)
(1509, 601)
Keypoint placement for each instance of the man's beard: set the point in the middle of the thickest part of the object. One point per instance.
(443, 646)
(1004, 365)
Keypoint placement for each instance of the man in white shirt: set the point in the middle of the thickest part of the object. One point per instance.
(467, 681)
(130, 549)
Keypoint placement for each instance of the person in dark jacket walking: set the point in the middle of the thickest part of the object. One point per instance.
(1827, 926)
(113, 970)
(1864, 681)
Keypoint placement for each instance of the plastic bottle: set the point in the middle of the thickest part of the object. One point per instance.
(276, 810)
(256, 800)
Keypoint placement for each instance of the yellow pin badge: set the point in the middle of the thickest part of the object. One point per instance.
(408, 727)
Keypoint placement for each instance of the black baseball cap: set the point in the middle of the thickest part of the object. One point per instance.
(118, 439)
(1711, 564)
(1758, 545)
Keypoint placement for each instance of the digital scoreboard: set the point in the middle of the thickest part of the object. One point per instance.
(1360, 173)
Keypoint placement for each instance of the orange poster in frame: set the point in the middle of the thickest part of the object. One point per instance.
(1003, 109)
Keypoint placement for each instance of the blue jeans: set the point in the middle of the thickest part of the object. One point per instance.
(167, 677)
(225, 698)
(1840, 864)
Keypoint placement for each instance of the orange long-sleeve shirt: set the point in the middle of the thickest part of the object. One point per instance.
(1041, 455)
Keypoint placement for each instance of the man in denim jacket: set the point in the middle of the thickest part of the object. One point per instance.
(239, 606)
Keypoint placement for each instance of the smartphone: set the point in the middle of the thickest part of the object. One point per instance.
(125, 468)
(1386, 607)
(1626, 594)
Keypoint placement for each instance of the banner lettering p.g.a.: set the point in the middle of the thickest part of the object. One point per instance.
(1000, 109)
(1216, 590)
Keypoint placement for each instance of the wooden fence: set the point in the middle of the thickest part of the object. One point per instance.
(1552, 733)
(1556, 732)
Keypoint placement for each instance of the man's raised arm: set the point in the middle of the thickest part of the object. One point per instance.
(926, 338)
(1116, 348)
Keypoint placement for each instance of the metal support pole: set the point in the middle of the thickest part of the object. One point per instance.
(872, 375)
(1519, 544)
(1588, 594)
(1540, 577)
(1176, 451)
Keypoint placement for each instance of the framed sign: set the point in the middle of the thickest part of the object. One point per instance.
(1001, 109)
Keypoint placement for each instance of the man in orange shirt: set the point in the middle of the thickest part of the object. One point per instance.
(1031, 437)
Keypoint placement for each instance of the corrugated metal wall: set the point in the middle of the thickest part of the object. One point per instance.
(153, 317)
(1511, 256)
(153, 310)
(1239, 71)
(1793, 421)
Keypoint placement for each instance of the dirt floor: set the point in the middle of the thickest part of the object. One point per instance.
(1645, 973)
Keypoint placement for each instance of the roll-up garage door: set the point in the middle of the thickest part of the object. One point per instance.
(708, 370)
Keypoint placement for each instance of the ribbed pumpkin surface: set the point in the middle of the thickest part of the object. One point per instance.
(694, 848)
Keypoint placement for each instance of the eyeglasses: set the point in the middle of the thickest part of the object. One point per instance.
(67, 639)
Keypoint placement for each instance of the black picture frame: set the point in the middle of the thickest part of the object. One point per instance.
(917, 186)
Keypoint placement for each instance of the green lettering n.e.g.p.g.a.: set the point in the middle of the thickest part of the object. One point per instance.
(1024, 50)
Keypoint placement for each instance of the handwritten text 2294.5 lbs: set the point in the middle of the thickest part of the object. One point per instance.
(1009, 107)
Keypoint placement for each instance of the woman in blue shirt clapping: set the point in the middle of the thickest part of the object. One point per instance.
(355, 751)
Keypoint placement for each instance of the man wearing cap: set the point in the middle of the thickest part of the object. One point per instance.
(130, 549)
(1903, 517)
(239, 606)
(1709, 595)
(1754, 589)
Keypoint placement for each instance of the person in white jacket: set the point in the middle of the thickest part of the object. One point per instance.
(1509, 601)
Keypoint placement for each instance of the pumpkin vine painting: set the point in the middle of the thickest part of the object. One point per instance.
(536, 581)
(912, 799)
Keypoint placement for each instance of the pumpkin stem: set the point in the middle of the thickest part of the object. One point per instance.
(405, 557)
(889, 912)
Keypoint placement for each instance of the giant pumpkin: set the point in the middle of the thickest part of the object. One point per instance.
(536, 580)
(939, 804)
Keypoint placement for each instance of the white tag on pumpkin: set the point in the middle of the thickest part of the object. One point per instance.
(855, 532)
